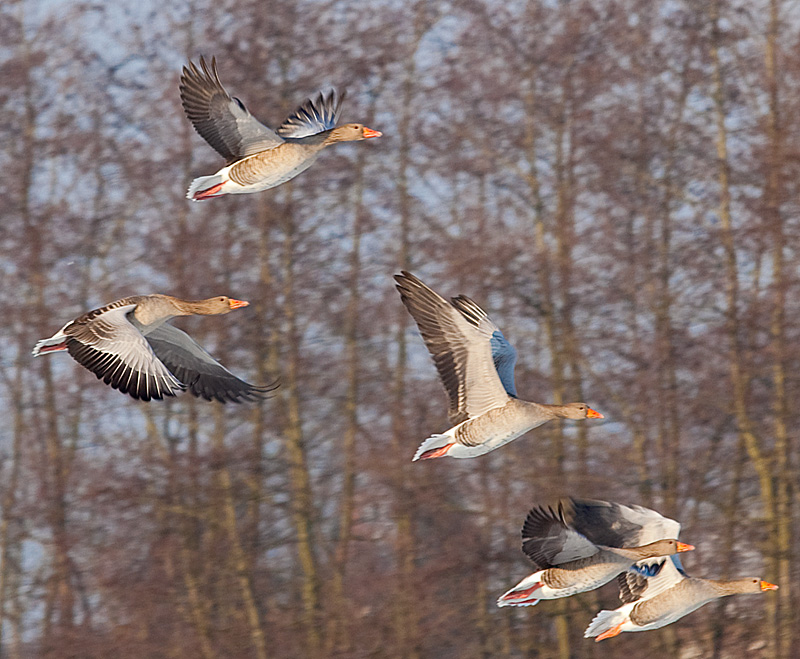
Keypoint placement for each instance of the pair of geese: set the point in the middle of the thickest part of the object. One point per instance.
(579, 545)
(130, 345)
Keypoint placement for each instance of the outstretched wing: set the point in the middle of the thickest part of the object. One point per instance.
(649, 578)
(203, 375)
(503, 353)
(315, 115)
(548, 540)
(105, 342)
(222, 121)
(460, 350)
(615, 525)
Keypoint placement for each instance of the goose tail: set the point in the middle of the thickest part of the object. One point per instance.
(605, 622)
(524, 593)
(435, 446)
(56, 343)
(206, 187)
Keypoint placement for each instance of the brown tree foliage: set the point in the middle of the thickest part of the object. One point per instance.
(615, 182)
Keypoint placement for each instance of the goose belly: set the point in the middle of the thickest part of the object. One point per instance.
(260, 172)
(646, 615)
(488, 432)
(565, 582)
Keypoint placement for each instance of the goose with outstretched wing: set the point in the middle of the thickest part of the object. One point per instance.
(476, 366)
(130, 346)
(257, 157)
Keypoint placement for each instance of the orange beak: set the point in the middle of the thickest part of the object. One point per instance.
(682, 546)
(592, 414)
(235, 304)
(765, 585)
(368, 132)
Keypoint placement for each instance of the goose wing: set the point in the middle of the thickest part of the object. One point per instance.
(222, 121)
(649, 578)
(461, 351)
(203, 375)
(105, 342)
(315, 115)
(503, 353)
(548, 540)
(615, 525)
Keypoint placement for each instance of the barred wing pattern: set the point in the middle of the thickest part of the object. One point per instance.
(105, 342)
(222, 121)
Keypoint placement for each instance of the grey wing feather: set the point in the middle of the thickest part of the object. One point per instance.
(199, 371)
(105, 342)
(222, 121)
(503, 353)
(315, 115)
(548, 540)
(616, 525)
(460, 350)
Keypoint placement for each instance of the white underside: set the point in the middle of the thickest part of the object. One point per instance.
(270, 180)
(546, 592)
(606, 620)
(461, 451)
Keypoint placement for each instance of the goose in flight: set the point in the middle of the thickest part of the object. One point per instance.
(257, 158)
(661, 593)
(476, 366)
(580, 545)
(132, 347)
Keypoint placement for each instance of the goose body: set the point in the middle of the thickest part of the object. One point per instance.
(476, 366)
(581, 545)
(258, 158)
(130, 344)
(663, 594)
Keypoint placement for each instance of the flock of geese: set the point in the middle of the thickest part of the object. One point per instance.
(576, 545)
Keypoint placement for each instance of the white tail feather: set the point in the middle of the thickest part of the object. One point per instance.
(41, 347)
(604, 621)
(531, 602)
(203, 183)
(435, 441)
(529, 582)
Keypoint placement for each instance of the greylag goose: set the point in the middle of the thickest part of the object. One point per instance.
(581, 544)
(130, 345)
(257, 157)
(661, 593)
(476, 366)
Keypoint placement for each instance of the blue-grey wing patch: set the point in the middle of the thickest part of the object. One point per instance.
(504, 354)
(315, 115)
(505, 359)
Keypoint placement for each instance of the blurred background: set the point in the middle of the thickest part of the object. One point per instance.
(615, 182)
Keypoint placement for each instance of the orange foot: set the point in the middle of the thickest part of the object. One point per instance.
(436, 452)
(611, 632)
(210, 192)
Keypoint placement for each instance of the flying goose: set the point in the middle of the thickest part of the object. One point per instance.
(130, 345)
(257, 158)
(476, 366)
(661, 593)
(582, 544)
